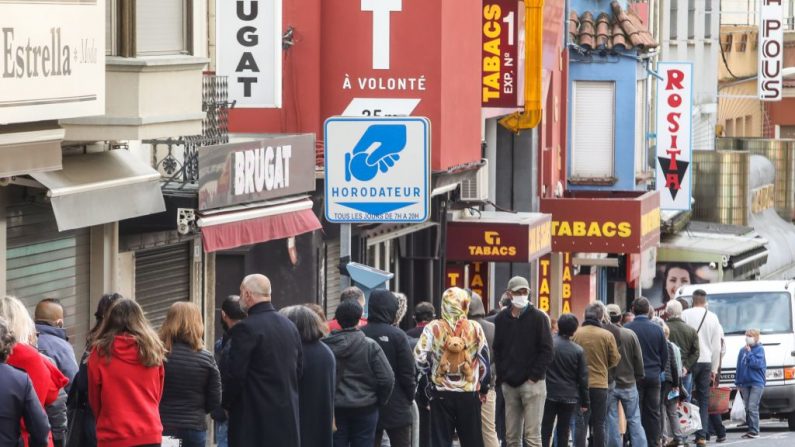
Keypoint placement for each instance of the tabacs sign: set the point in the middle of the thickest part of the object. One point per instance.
(249, 50)
(377, 170)
(674, 141)
(500, 35)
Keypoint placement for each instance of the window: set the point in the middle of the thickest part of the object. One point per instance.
(673, 18)
(640, 126)
(593, 128)
(161, 27)
(730, 128)
(739, 127)
(708, 19)
(691, 19)
(770, 312)
(749, 126)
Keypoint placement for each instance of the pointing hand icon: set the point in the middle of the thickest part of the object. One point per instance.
(387, 139)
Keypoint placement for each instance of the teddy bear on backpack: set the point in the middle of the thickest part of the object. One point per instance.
(455, 360)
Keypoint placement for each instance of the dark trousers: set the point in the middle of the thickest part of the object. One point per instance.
(425, 425)
(355, 426)
(701, 382)
(649, 396)
(595, 417)
(716, 426)
(457, 412)
(562, 413)
(398, 437)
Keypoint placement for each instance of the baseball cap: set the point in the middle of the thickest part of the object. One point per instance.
(517, 283)
(613, 309)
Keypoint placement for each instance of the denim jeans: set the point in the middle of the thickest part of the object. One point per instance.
(355, 426)
(189, 438)
(222, 434)
(629, 400)
(701, 378)
(751, 397)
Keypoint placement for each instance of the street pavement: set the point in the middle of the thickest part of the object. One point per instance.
(773, 434)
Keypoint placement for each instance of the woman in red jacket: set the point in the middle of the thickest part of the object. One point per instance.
(46, 378)
(125, 379)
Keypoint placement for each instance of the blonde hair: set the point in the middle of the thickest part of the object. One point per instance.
(754, 333)
(126, 317)
(19, 321)
(183, 324)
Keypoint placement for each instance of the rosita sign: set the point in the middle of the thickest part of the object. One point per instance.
(674, 124)
(254, 171)
(522, 239)
(771, 50)
(604, 224)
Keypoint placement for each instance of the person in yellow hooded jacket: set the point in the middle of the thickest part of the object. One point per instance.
(456, 395)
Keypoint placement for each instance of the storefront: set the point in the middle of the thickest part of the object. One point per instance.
(598, 241)
(476, 239)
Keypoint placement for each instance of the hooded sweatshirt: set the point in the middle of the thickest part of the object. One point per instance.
(383, 307)
(364, 377)
(125, 396)
(430, 348)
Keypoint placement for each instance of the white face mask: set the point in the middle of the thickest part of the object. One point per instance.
(750, 341)
(520, 301)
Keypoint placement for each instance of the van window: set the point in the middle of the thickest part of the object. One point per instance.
(770, 312)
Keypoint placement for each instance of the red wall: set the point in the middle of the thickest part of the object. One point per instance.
(436, 41)
(300, 111)
(552, 157)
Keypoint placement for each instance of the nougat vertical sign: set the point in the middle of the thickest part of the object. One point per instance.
(771, 50)
(674, 134)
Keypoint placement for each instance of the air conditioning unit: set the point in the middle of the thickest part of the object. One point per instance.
(476, 189)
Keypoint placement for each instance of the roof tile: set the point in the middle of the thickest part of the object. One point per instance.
(623, 30)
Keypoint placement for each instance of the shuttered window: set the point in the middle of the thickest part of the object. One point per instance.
(161, 27)
(44, 263)
(162, 277)
(640, 128)
(592, 129)
(332, 277)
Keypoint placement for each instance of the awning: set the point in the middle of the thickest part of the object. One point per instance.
(99, 188)
(252, 225)
(27, 148)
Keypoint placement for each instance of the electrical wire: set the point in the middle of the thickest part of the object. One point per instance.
(726, 64)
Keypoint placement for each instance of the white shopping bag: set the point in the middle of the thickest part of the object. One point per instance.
(738, 409)
(168, 441)
(689, 418)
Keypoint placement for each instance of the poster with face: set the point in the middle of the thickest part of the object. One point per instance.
(670, 276)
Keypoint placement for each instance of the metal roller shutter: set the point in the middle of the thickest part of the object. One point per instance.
(593, 129)
(332, 277)
(43, 263)
(162, 277)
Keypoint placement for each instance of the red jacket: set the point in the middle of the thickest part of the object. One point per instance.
(125, 396)
(47, 379)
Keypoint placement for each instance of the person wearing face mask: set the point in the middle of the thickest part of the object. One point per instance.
(750, 379)
(522, 353)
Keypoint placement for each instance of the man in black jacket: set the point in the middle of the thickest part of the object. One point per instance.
(395, 416)
(260, 388)
(522, 352)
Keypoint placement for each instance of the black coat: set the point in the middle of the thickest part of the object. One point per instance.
(382, 309)
(261, 386)
(522, 346)
(192, 388)
(316, 395)
(567, 376)
(18, 401)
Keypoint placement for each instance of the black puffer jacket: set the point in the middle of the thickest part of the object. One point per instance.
(394, 342)
(364, 377)
(192, 388)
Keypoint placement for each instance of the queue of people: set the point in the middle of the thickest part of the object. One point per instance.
(291, 378)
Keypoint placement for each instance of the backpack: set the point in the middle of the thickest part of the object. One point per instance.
(456, 362)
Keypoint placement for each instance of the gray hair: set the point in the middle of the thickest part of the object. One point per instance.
(18, 319)
(257, 284)
(7, 340)
(352, 293)
(594, 311)
(309, 324)
(674, 309)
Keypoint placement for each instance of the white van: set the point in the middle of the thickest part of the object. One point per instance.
(767, 306)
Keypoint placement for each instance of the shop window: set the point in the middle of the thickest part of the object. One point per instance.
(593, 129)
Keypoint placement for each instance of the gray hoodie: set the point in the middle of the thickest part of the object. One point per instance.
(364, 377)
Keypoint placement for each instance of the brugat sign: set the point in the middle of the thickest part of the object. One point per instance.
(771, 50)
(253, 171)
(249, 37)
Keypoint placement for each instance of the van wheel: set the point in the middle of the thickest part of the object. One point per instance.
(791, 421)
